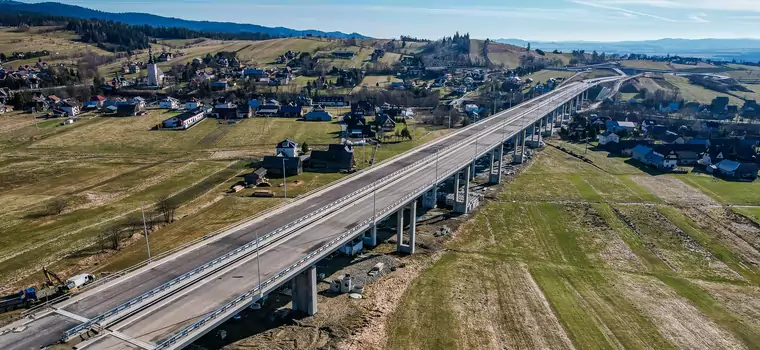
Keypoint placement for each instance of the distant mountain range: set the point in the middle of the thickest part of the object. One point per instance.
(58, 9)
(725, 49)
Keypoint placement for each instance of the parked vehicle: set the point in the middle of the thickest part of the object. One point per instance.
(23, 299)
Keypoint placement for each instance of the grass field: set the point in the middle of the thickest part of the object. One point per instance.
(532, 273)
(697, 93)
(643, 64)
(58, 43)
(544, 75)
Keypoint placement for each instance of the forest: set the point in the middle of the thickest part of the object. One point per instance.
(115, 36)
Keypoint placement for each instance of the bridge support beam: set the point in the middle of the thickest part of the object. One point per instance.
(370, 237)
(461, 206)
(305, 291)
(495, 174)
(401, 247)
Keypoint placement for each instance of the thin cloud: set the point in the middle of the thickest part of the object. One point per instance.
(601, 5)
(723, 5)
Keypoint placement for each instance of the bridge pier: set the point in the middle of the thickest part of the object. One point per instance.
(304, 291)
(430, 198)
(522, 147)
(370, 236)
(495, 178)
(400, 246)
(461, 206)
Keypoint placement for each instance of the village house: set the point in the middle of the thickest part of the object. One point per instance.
(220, 85)
(385, 122)
(244, 111)
(129, 109)
(292, 166)
(140, 101)
(648, 156)
(356, 126)
(363, 107)
(735, 170)
(165, 57)
(95, 102)
(330, 101)
(335, 158)
(193, 103)
(226, 111)
(169, 103)
(270, 108)
(291, 111)
(671, 138)
(607, 137)
(287, 148)
(618, 126)
(70, 107)
(318, 114)
(255, 178)
(185, 120)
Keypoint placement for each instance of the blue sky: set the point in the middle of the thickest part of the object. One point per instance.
(545, 20)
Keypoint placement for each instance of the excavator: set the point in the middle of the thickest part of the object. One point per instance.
(54, 286)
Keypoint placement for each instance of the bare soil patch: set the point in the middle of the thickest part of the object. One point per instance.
(673, 191)
(677, 319)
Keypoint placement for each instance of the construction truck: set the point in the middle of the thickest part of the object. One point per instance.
(54, 287)
(23, 299)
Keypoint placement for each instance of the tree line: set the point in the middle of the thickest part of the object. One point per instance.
(116, 36)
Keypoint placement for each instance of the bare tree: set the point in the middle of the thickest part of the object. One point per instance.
(166, 206)
(111, 238)
(58, 206)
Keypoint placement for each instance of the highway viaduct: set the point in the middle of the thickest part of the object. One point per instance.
(169, 303)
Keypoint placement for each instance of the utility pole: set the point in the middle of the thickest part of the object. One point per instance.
(284, 181)
(145, 231)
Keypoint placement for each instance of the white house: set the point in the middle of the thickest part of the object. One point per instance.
(192, 104)
(287, 148)
(169, 103)
(607, 137)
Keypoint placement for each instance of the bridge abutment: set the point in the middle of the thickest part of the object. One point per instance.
(370, 236)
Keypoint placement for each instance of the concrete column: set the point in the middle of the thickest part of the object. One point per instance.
(522, 148)
(400, 246)
(496, 178)
(461, 206)
(370, 237)
(515, 141)
(471, 172)
(305, 291)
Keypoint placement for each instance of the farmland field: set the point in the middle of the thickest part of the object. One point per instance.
(573, 256)
(106, 168)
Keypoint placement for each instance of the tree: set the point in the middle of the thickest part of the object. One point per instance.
(406, 134)
(58, 206)
(304, 148)
(166, 206)
(111, 238)
(528, 48)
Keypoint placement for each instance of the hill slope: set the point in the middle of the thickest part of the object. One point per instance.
(132, 18)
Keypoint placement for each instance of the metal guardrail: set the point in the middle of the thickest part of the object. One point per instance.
(226, 257)
(161, 255)
(354, 230)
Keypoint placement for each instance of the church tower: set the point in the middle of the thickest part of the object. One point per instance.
(155, 75)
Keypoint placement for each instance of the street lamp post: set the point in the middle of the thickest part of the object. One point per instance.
(145, 231)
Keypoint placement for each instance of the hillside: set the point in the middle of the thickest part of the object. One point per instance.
(509, 55)
(58, 9)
